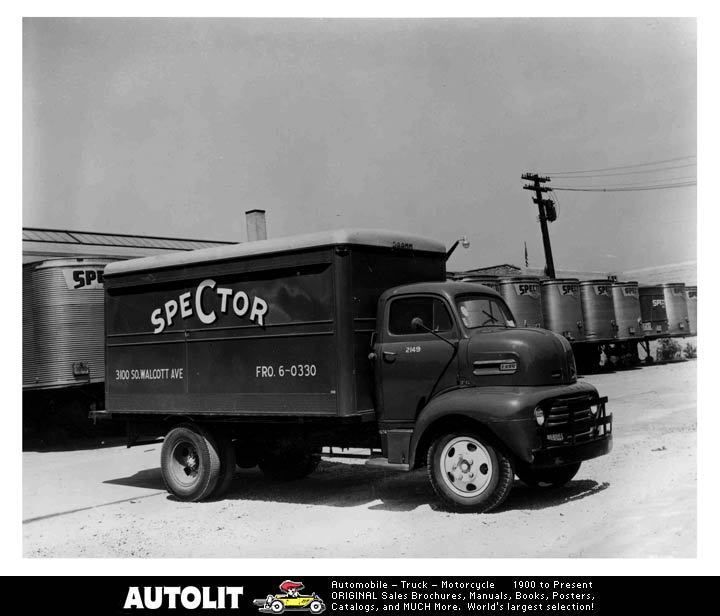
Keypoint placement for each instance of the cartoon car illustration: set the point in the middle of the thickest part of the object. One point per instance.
(290, 600)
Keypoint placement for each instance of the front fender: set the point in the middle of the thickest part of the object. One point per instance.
(506, 412)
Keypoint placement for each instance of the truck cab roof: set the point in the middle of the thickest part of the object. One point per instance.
(447, 288)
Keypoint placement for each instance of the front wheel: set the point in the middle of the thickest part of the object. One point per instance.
(555, 477)
(468, 473)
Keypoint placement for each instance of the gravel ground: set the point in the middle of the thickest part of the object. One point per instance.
(639, 501)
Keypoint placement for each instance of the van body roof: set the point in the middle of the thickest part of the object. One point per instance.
(340, 237)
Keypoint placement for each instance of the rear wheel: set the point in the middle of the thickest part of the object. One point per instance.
(190, 461)
(555, 477)
(468, 473)
(227, 466)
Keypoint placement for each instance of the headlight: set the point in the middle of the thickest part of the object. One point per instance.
(539, 416)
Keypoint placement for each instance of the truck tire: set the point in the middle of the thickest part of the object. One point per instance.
(289, 464)
(555, 477)
(227, 466)
(468, 473)
(190, 462)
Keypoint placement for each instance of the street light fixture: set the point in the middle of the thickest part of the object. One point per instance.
(465, 244)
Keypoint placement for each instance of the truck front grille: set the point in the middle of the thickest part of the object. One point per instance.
(570, 421)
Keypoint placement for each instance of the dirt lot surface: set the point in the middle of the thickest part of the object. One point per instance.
(639, 501)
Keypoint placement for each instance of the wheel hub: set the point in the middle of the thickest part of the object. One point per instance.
(191, 463)
(467, 465)
(186, 463)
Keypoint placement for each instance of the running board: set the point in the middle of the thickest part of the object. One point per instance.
(383, 463)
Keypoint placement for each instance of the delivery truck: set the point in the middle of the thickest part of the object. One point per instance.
(262, 354)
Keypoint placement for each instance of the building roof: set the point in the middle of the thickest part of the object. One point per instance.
(685, 271)
(507, 270)
(88, 238)
(492, 270)
(504, 269)
(346, 237)
(43, 243)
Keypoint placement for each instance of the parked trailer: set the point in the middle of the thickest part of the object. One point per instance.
(598, 323)
(623, 352)
(561, 308)
(262, 354)
(626, 302)
(522, 295)
(653, 311)
(676, 308)
(691, 297)
(598, 310)
(63, 342)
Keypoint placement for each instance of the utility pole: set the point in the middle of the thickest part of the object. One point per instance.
(546, 209)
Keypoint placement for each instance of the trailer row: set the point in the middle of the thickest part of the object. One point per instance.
(597, 315)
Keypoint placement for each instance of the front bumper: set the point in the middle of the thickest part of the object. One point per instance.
(559, 456)
(572, 433)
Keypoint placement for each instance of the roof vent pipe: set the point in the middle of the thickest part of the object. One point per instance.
(255, 221)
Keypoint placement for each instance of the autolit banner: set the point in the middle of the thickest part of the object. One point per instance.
(294, 593)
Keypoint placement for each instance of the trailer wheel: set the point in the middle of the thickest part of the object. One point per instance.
(547, 477)
(227, 466)
(468, 473)
(289, 464)
(190, 462)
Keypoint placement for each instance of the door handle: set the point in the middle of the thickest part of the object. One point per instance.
(389, 356)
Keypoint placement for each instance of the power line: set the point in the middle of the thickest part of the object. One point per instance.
(658, 187)
(632, 166)
(655, 182)
(606, 175)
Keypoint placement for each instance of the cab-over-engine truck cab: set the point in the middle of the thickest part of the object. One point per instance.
(478, 400)
(263, 353)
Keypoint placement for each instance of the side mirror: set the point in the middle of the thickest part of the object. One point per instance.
(418, 324)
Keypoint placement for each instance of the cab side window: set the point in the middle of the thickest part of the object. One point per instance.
(431, 310)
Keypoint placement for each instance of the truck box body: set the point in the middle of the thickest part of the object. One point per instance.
(275, 327)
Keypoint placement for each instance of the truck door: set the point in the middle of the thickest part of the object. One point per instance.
(411, 366)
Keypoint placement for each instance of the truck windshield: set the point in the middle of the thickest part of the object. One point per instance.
(483, 311)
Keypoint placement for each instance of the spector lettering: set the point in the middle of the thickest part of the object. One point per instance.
(190, 303)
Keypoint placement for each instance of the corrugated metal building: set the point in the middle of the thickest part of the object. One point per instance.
(41, 244)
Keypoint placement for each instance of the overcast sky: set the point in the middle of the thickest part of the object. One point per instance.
(177, 126)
